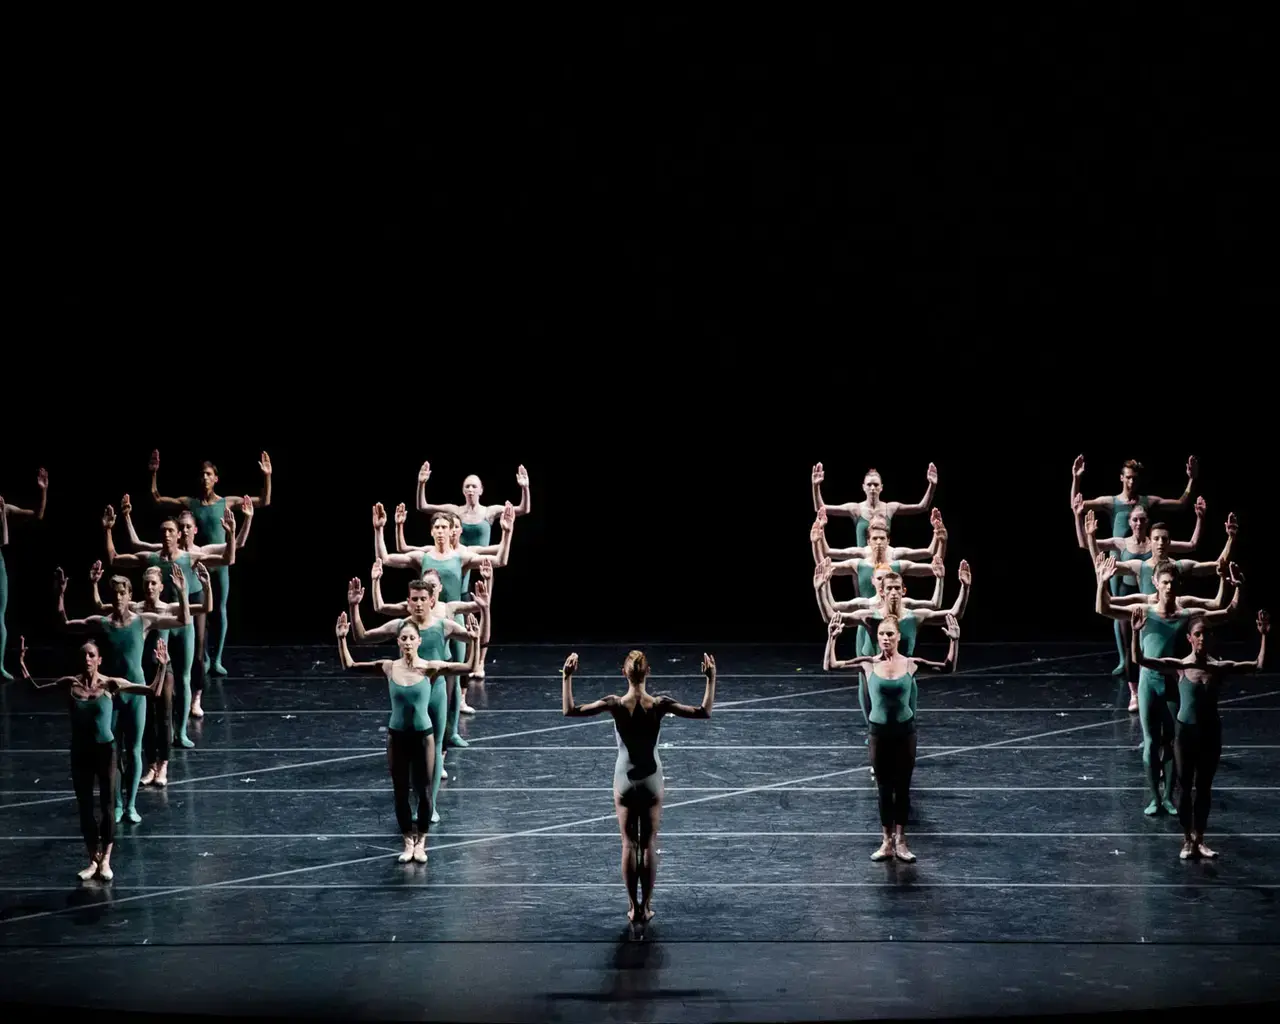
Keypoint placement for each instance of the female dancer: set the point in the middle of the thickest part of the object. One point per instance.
(892, 685)
(637, 774)
(477, 519)
(410, 739)
(6, 510)
(1119, 506)
(188, 528)
(182, 643)
(450, 565)
(866, 510)
(435, 622)
(1165, 622)
(157, 734)
(124, 638)
(1197, 734)
(208, 511)
(1137, 545)
(93, 754)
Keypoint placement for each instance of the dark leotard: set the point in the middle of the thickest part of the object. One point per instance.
(637, 774)
(1197, 749)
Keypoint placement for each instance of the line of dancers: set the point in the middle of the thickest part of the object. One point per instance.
(887, 666)
(1140, 587)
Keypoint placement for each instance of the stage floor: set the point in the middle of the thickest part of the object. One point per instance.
(264, 881)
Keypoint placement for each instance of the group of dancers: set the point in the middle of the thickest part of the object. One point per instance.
(1140, 586)
(886, 665)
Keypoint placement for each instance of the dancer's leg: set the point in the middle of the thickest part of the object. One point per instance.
(423, 754)
(198, 670)
(399, 751)
(182, 649)
(4, 608)
(1206, 769)
(904, 768)
(84, 763)
(105, 772)
(647, 844)
(1185, 751)
(881, 751)
(1120, 587)
(221, 580)
(629, 826)
(1151, 715)
(1168, 765)
(130, 725)
(438, 712)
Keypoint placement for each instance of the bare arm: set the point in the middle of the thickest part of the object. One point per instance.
(344, 655)
(1207, 603)
(410, 560)
(830, 663)
(355, 594)
(931, 475)
(155, 487)
(1106, 568)
(1264, 627)
(1182, 547)
(6, 510)
(522, 481)
(114, 558)
(1185, 497)
(915, 568)
(953, 650)
(572, 710)
(1077, 471)
(91, 624)
(957, 609)
(702, 710)
(424, 474)
(228, 557)
(264, 464)
(379, 606)
(1165, 666)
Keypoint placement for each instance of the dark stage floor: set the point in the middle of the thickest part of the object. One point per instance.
(264, 879)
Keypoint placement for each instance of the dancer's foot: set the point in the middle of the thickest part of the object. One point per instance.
(457, 741)
(149, 778)
(643, 916)
(185, 740)
(119, 814)
(88, 872)
(1152, 809)
(1204, 851)
(1133, 702)
(104, 868)
(162, 774)
(6, 675)
(476, 677)
(466, 709)
(407, 856)
(435, 816)
(196, 710)
(900, 849)
(1188, 849)
(1120, 669)
(206, 664)
(1168, 807)
(420, 849)
(886, 849)
(217, 669)
(134, 816)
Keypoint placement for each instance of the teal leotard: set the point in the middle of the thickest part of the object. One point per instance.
(450, 570)
(91, 720)
(434, 648)
(182, 642)
(1159, 640)
(1121, 586)
(1198, 702)
(122, 650)
(209, 530)
(863, 527)
(1120, 512)
(892, 700)
(867, 589)
(474, 535)
(409, 705)
(908, 628)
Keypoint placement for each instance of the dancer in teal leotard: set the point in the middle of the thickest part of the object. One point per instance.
(867, 510)
(1197, 742)
(450, 566)
(410, 733)
(1119, 506)
(434, 621)
(1165, 623)
(893, 690)
(208, 510)
(123, 638)
(1138, 570)
(181, 641)
(93, 755)
(188, 529)
(8, 512)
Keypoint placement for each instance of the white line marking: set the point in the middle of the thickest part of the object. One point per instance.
(151, 891)
(613, 834)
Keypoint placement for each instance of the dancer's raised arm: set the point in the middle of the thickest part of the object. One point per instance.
(1106, 501)
(1193, 467)
(572, 710)
(7, 510)
(670, 706)
(952, 629)
(156, 496)
(898, 508)
(1182, 547)
(830, 663)
(114, 557)
(406, 560)
(93, 622)
(933, 618)
(263, 500)
(344, 655)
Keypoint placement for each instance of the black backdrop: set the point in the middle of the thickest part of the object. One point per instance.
(665, 264)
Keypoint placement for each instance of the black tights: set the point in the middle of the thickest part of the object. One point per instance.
(90, 763)
(407, 759)
(1196, 752)
(157, 735)
(893, 756)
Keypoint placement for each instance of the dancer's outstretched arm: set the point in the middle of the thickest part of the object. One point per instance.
(830, 662)
(1182, 547)
(263, 500)
(1106, 501)
(387, 631)
(952, 629)
(1208, 603)
(406, 560)
(344, 655)
(1193, 468)
(936, 618)
(1165, 666)
(228, 556)
(492, 512)
(703, 710)
(114, 684)
(572, 710)
(472, 662)
(114, 558)
(1236, 579)
(91, 624)
(379, 605)
(7, 510)
(184, 502)
(898, 508)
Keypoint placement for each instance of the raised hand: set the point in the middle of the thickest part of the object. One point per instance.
(570, 665)
(1138, 618)
(95, 572)
(376, 572)
(1077, 503)
(836, 626)
(154, 464)
(379, 516)
(708, 666)
(952, 627)
(264, 464)
(939, 567)
(60, 580)
(966, 574)
(229, 519)
(822, 572)
(818, 474)
(816, 531)
(486, 570)
(202, 574)
(473, 627)
(22, 652)
(179, 578)
(42, 478)
(402, 514)
(480, 593)
(1105, 566)
(935, 518)
(1232, 524)
(162, 652)
(1193, 467)
(1077, 467)
(931, 474)
(1235, 575)
(508, 516)
(1090, 522)
(355, 591)
(1200, 507)
(246, 506)
(343, 627)
(108, 517)
(522, 477)
(126, 506)
(424, 473)
(1264, 621)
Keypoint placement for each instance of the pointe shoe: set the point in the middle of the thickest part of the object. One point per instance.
(162, 774)
(457, 741)
(466, 709)
(407, 856)
(185, 740)
(1152, 809)
(886, 850)
(88, 872)
(105, 872)
(133, 815)
(1120, 669)
(1188, 850)
(435, 816)
(1204, 851)
(196, 710)
(420, 850)
(1168, 808)
(119, 814)
(149, 778)
(217, 669)
(1133, 702)
(901, 852)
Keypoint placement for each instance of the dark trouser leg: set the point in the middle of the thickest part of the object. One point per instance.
(1186, 749)
(399, 755)
(198, 671)
(1206, 769)
(83, 776)
(157, 738)
(104, 770)
(420, 776)
(904, 768)
(882, 760)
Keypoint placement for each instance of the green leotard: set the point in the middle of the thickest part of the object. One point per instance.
(867, 589)
(1198, 702)
(1159, 639)
(892, 700)
(1120, 512)
(409, 705)
(1121, 586)
(182, 642)
(434, 648)
(908, 628)
(863, 527)
(91, 720)
(474, 535)
(209, 528)
(450, 570)
(122, 650)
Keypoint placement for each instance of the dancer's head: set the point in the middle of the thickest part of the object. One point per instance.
(440, 527)
(1159, 541)
(1165, 577)
(422, 597)
(92, 659)
(891, 589)
(887, 635)
(208, 476)
(472, 489)
(153, 580)
(878, 541)
(187, 528)
(1129, 474)
(1139, 522)
(1198, 635)
(409, 640)
(169, 535)
(121, 593)
(455, 528)
(872, 485)
(636, 668)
